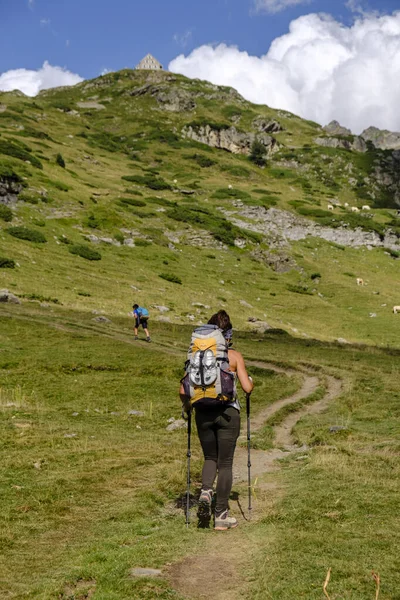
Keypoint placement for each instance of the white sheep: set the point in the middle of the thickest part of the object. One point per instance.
(346, 205)
(366, 207)
(360, 281)
(330, 207)
(229, 187)
(396, 309)
(355, 209)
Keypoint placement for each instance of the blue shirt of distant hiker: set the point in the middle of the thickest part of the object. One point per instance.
(141, 316)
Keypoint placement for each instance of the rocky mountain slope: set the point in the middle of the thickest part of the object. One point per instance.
(140, 185)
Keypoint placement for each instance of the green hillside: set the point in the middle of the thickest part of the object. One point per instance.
(116, 159)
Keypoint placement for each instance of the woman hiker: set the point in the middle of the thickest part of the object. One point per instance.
(218, 428)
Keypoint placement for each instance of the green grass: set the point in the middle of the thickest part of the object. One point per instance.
(85, 481)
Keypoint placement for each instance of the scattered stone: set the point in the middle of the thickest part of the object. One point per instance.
(162, 309)
(200, 305)
(246, 304)
(70, 435)
(38, 464)
(342, 341)
(6, 296)
(252, 319)
(129, 242)
(372, 315)
(136, 413)
(101, 319)
(139, 572)
(75, 414)
(95, 105)
(114, 414)
(177, 424)
(337, 428)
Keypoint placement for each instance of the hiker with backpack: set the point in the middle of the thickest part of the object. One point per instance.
(141, 316)
(209, 386)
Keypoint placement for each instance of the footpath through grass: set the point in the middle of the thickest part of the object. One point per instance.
(90, 489)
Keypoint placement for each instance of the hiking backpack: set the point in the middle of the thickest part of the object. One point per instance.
(208, 380)
(142, 312)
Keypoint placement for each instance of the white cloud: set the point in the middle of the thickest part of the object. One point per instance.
(32, 82)
(182, 39)
(31, 4)
(321, 70)
(45, 22)
(275, 6)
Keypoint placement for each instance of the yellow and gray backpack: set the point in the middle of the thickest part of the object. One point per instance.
(208, 380)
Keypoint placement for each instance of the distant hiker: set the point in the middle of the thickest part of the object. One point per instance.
(209, 386)
(141, 316)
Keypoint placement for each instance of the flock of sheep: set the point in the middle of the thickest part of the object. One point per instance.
(354, 209)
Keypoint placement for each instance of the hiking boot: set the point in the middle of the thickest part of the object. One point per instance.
(204, 510)
(136, 337)
(148, 339)
(206, 498)
(224, 522)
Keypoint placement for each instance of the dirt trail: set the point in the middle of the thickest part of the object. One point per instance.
(223, 563)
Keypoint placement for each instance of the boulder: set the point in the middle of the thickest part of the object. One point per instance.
(6, 296)
(229, 139)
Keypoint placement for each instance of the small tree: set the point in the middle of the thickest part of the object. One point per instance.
(257, 153)
(60, 161)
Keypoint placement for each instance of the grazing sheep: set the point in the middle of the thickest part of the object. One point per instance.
(396, 309)
(366, 207)
(229, 187)
(355, 209)
(346, 205)
(360, 281)
(330, 207)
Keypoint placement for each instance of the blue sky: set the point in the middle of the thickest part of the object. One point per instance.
(87, 36)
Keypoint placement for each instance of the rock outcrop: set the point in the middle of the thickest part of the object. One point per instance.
(9, 190)
(382, 139)
(356, 143)
(267, 126)
(281, 227)
(171, 98)
(335, 128)
(229, 139)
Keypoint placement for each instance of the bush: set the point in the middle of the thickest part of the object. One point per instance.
(201, 160)
(31, 235)
(258, 153)
(6, 263)
(119, 237)
(299, 289)
(85, 252)
(60, 161)
(171, 278)
(6, 213)
(28, 197)
(224, 193)
(151, 181)
(142, 243)
(315, 276)
(64, 240)
(8, 173)
(59, 185)
(133, 192)
(131, 202)
(19, 150)
(92, 222)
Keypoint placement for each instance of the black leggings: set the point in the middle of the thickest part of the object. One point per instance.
(218, 431)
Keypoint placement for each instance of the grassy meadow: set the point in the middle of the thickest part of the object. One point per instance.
(90, 491)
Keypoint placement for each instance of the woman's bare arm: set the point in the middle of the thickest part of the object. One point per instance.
(238, 365)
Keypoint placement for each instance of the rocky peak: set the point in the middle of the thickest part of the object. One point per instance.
(335, 128)
(382, 138)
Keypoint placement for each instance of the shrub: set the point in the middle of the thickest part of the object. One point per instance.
(201, 160)
(224, 193)
(171, 278)
(59, 185)
(258, 153)
(132, 202)
(40, 298)
(161, 201)
(315, 276)
(119, 237)
(8, 173)
(85, 252)
(6, 213)
(92, 222)
(299, 289)
(393, 253)
(60, 161)
(28, 197)
(133, 192)
(31, 235)
(6, 263)
(151, 181)
(64, 240)
(86, 294)
(142, 243)
(19, 150)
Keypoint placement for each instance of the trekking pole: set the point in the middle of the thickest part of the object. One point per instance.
(189, 454)
(248, 448)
